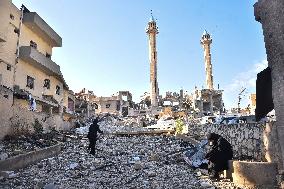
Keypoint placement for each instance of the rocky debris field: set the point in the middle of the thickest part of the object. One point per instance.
(12, 146)
(120, 162)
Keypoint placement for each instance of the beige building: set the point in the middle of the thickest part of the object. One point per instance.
(120, 104)
(26, 65)
(83, 105)
(206, 101)
(68, 104)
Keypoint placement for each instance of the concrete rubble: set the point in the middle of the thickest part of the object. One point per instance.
(12, 146)
(121, 162)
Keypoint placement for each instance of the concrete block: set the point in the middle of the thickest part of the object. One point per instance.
(254, 174)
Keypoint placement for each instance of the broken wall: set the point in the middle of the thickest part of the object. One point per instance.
(18, 119)
(108, 105)
(5, 112)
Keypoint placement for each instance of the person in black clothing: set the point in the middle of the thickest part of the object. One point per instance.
(219, 154)
(93, 136)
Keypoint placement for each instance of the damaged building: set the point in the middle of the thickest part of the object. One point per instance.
(29, 78)
(84, 106)
(173, 98)
(88, 104)
(209, 100)
(120, 104)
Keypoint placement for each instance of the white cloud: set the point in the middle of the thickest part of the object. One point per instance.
(246, 79)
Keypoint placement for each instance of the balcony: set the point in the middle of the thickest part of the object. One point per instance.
(35, 23)
(38, 60)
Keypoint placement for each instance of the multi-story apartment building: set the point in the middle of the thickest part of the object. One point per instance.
(26, 65)
(26, 58)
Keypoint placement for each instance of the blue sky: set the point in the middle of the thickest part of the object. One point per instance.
(105, 44)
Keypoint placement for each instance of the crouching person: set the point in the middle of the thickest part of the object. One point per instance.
(219, 155)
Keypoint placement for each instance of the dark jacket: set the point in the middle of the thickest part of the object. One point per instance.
(220, 152)
(93, 130)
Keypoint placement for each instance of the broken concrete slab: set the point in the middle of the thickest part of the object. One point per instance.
(255, 174)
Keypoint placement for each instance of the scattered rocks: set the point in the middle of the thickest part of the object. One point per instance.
(73, 165)
(206, 185)
(154, 157)
(3, 156)
(50, 186)
(151, 174)
(120, 162)
(108, 169)
(13, 146)
(138, 166)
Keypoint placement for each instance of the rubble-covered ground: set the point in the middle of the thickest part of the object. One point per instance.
(15, 145)
(120, 162)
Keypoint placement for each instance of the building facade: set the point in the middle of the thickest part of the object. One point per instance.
(26, 66)
(84, 105)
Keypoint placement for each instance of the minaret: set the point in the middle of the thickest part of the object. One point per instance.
(206, 41)
(152, 31)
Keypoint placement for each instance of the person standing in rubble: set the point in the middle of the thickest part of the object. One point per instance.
(93, 136)
(219, 155)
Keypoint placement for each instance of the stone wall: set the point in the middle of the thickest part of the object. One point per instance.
(246, 139)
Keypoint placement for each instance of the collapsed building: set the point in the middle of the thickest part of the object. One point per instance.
(209, 100)
(120, 104)
(88, 104)
(173, 99)
(84, 106)
(29, 79)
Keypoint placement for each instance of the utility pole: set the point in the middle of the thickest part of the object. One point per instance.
(240, 98)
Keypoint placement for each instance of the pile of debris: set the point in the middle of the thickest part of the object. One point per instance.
(112, 124)
(121, 162)
(15, 145)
